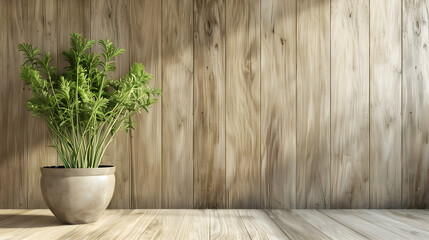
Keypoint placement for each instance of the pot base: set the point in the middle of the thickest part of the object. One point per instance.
(77, 195)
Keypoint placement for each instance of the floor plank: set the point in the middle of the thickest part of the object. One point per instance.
(295, 226)
(417, 213)
(22, 223)
(7, 213)
(405, 216)
(227, 224)
(260, 226)
(94, 230)
(400, 228)
(195, 225)
(165, 225)
(360, 225)
(221, 224)
(327, 225)
(130, 226)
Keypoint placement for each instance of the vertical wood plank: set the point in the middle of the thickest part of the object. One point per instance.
(5, 161)
(177, 104)
(243, 104)
(110, 19)
(350, 104)
(313, 106)
(385, 104)
(73, 17)
(209, 104)
(145, 47)
(278, 103)
(415, 104)
(42, 32)
(13, 170)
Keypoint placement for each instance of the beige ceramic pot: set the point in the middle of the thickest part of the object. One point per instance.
(77, 195)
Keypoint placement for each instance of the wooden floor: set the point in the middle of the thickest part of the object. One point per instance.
(222, 224)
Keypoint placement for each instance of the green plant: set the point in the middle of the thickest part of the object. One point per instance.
(83, 107)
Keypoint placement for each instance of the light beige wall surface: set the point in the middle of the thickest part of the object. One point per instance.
(266, 104)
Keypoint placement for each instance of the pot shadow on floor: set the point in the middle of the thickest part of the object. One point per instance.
(28, 221)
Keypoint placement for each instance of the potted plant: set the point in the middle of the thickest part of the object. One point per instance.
(83, 109)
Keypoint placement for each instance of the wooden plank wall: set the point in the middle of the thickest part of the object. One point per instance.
(313, 106)
(350, 104)
(266, 104)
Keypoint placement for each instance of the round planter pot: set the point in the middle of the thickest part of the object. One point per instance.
(77, 195)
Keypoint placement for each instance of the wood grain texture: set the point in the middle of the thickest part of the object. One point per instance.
(109, 20)
(424, 214)
(294, 226)
(131, 225)
(145, 47)
(209, 104)
(227, 224)
(266, 104)
(195, 225)
(415, 104)
(243, 104)
(313, 106)
(406, 217)
(108, 221)
(278, 103)
(73, 17)
(224, 224)
(177, 104)
(365, 228)
(327, 225)
(385, 104)
(350, 104)
(165, 225)
(403, 229)
(42, 32)
(4, 105)
(260, 226)
(22, 223)
(8, 213)
(13, 171)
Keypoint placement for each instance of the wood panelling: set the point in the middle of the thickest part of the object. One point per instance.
(73, 17)
(278, 103)
(13, 170)
(243, 104)
(145, 46)
(385, 104)
(6, 160)
(313, 108)
(266, 104)
(42, 32)
(415, 104)
(177, 104)
(209, 104)
(349, 104)
(109, 20)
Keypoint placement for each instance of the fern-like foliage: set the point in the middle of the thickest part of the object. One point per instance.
(82, 106)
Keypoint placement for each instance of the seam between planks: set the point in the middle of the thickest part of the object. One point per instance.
(265, 212)
(343, 224)
(289, 237)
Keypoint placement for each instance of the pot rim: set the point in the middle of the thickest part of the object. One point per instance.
(61, 171)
